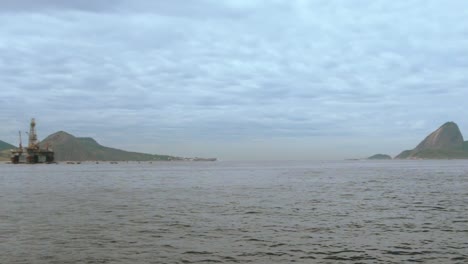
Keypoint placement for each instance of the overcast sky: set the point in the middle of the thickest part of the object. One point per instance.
(236, 79)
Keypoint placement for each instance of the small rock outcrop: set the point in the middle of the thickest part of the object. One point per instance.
(380, 157)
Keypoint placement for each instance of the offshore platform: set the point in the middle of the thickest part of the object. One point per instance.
(33, 153)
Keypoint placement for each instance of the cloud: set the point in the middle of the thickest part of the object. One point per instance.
(43, 5)
(181, 71)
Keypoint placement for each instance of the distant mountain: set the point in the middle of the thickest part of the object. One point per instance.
(448, 136)
(6, 146)
(444, 143)
(5, 150)
(70, 148)
(379, 157)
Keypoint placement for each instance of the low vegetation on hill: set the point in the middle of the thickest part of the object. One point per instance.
(69, 147)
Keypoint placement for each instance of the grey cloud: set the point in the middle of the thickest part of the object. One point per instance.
(42, 5)
(205, 9)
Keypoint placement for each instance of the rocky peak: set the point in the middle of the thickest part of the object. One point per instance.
(448, 136)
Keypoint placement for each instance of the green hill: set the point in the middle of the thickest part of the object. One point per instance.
(5, 150)
(70, 148)
(465, 146)
(444, 143)
(5, 146)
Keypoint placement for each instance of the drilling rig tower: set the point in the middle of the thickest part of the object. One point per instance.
(33, 153)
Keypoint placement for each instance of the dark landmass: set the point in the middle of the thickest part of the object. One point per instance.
(444, 143)
(5, 146)
(70, 148)
(404, 154)
(200, 159)
(380, 157)
(5, 150)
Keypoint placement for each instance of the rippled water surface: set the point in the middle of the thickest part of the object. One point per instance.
(233, 212)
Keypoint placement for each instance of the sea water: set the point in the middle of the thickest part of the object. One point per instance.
(235, 212)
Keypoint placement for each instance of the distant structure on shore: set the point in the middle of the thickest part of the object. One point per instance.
(33, 153)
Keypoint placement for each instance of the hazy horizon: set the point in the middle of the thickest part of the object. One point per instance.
(235, 79)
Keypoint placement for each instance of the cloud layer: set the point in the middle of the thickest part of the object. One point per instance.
(195, 76)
